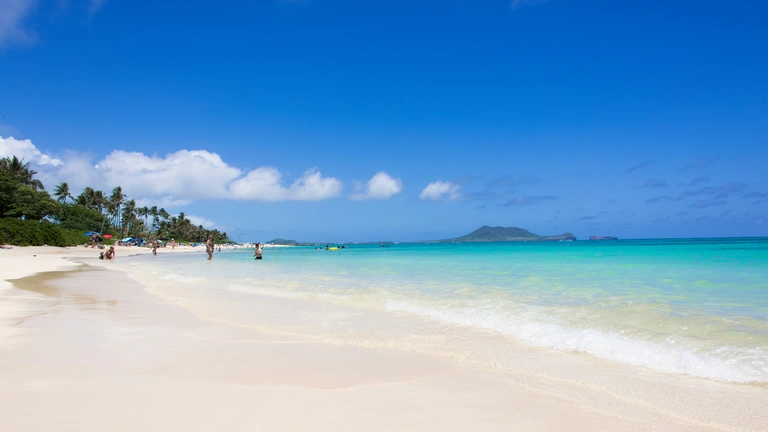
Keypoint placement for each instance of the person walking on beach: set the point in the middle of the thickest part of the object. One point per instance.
(154, 247)
(173, 244)
(257, 252)
(209, 248)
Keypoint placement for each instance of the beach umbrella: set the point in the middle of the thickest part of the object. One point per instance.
(107, 236)
(127, 239)
(88, 234)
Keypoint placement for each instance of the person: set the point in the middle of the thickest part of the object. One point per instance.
(110, 255)
(154, 247)
(93, 240)
(173, 244)
(258, 252)
(209, 248)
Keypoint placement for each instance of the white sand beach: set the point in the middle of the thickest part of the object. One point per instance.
(85, 348)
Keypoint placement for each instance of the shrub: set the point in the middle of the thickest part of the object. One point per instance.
(33, 233)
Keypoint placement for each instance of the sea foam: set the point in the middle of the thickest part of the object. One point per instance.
(726, 363)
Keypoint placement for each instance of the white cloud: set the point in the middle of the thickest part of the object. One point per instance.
(24, 149)
(12, 13)
(441, 190)
(381, 186)
(166, 202)
(174, 179)
(185, 174)
(197, 220)
(265, 184)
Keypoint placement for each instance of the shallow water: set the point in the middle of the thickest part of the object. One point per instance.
(691, 306)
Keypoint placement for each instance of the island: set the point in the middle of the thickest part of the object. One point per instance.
(486, 234)
(283, 242)
(603, 238)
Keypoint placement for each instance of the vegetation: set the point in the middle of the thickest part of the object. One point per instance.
(29, 215)
(510, 234)
(282, 241)
(34, 233)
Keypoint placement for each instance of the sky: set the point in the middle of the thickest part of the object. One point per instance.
(323, 120)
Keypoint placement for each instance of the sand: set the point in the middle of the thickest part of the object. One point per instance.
(85, 348)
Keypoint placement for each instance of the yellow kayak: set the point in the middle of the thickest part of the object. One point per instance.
(333, 248)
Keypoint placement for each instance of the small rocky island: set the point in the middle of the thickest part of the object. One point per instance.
(603, 238)
(506, 234)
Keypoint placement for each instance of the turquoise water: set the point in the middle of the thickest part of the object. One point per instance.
(694, 306)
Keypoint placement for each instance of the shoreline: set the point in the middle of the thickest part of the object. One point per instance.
(138, 343)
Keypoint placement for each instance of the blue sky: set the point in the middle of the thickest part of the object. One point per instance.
(345, 121)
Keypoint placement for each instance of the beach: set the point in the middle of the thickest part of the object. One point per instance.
(98, 345)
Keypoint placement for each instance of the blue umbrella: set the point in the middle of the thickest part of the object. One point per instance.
(127, 239)
(88, 234)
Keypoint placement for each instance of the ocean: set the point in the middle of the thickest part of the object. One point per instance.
(697, 307)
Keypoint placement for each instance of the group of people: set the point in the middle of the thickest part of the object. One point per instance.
(210, 248)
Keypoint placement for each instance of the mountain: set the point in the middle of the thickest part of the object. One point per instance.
(282, 241)
(510, 234)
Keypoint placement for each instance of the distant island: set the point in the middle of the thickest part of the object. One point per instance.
(283, 242)
(506, 234)
(603, 238)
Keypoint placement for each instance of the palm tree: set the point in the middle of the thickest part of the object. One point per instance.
(21, 172)
(86, 197)
(62, 192)
(115, 202)
(129, 215)
(142, 212)
(99, 201)
(154, 213)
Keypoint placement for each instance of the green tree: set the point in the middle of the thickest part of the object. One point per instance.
(75, 216)
(62, 192)
(31, 204)
(21, 172)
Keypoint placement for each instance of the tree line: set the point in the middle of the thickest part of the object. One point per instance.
(22, 196)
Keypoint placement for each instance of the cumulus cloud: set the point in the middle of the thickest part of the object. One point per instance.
(185, 174)
(12, 14)
(265, 184)
(24, 149)
(381, 186)
(174, 179)
(441, 191)
(198, 221)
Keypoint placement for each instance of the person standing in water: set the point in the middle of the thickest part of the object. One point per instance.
(209, 248)
(257, 253)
